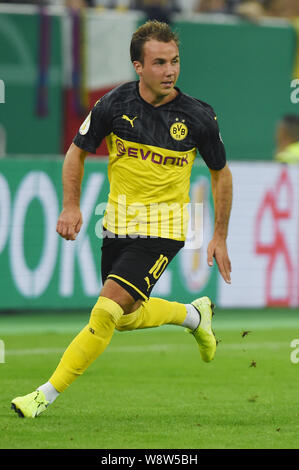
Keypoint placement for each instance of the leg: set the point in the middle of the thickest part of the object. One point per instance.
(113, 302)
(156, 312)
(82, 351)
(196, 317)
(114, 291)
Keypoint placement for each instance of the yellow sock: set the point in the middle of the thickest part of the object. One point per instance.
(88, 344)
(155, 312)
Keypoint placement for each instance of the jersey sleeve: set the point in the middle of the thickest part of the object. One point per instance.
(210, 144)
(96, 126)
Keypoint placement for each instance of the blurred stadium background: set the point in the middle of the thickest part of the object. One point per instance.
(55, 63)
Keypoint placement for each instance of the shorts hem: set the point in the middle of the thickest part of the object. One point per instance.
(129, 284)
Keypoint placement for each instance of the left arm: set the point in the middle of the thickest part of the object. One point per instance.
(222, 195)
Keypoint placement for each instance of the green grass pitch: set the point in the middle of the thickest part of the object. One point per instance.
(150, 389)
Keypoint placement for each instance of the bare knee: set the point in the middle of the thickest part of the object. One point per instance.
(112, 290)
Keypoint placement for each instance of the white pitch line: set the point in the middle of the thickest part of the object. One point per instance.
(219, 325)
(155, 348)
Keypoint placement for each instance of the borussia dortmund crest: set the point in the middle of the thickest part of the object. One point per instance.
(179, 130)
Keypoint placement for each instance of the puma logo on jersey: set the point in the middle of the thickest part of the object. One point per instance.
(131, 121)
(148, 283)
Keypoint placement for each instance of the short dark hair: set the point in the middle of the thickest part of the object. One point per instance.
(150, 30)
(291, 123)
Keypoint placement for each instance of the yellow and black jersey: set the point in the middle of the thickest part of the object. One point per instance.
(151, 153)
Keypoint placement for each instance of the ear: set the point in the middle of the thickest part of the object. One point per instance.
(138, 67)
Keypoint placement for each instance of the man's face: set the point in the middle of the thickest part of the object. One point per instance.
(161, 67)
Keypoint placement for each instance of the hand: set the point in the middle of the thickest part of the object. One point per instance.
(217, 249)
(69, 223)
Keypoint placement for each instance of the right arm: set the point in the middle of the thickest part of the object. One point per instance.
(70, 219)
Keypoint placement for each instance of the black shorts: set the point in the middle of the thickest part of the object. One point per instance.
(136, 263)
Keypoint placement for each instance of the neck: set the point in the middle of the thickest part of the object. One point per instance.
(152, 98)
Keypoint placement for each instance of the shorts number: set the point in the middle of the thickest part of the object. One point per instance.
(159, 267)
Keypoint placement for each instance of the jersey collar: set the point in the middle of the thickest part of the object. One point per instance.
(178, 96)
